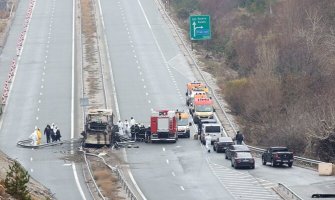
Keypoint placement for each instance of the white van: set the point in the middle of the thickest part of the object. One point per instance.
(214, 130)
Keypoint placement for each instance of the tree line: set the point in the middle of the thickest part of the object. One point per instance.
(283, 53)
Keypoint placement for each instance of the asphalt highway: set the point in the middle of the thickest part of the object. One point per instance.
(42, 94)
(150, 72)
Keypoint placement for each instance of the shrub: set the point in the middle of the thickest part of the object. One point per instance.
(16, 179)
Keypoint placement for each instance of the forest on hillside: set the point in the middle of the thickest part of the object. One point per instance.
(283, 56)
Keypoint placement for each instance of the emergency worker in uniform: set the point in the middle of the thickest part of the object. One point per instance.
(126, 128)
(33, 137)
(208, 139)
(39, 136)
(132, 122)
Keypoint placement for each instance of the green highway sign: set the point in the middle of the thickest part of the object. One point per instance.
(200, 27)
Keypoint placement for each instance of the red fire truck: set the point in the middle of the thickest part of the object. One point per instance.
(163, 126)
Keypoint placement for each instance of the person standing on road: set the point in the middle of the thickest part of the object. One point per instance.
(132, 122)
(120, 126)
(208, 139)
(39, 136)
(33, 137)
(126, 128)
(47, 132)
(58, 135)
(239, 137)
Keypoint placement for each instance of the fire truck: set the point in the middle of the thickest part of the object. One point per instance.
(163, 126)
(202, 109)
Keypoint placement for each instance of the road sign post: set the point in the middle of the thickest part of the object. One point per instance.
(200, 27)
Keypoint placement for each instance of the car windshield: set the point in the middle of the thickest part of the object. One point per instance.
(203, 108)
(279, 149)
(243, 155)
(241, 148)
(225, 139)
(213, 129)
(182, 122)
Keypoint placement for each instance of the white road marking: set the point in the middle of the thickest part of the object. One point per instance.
(146, 94)
(149, 101)
(145, 16)
(38, 109)
(182, 188)
(67, 164)
(39, 101)
(144, 86)
(167, 161)
(31, 159)
(173, 174)
(31, 170)
(41, 94)
(163, 147)
(72, 99)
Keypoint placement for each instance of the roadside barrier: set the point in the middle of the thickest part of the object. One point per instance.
(19, 46)
(119, 173)
(287, 193)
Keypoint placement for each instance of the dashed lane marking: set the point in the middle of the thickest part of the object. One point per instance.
(182, 188)
(173, 174)
(167, 161)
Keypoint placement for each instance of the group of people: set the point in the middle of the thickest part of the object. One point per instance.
(126, 126)
(51, 132)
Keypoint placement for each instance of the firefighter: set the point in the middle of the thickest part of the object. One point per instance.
(208, 139)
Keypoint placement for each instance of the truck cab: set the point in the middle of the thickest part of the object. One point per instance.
(163, 126)
(192, 89)
(215, 130)
(203, 109)
(183, 124)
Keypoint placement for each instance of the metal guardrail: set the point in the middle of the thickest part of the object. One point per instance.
(283, 190)
(121, 178)
(306, 161)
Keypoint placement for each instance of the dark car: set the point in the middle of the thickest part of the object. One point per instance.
(221, 144)
(242, 159)
(235, 148)
(277, 156)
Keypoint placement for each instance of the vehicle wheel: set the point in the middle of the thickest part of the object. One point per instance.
(263, 161)
(253, 167)
(226, 157)
(214, 148)
(290, 164)
(273, 163)
(232, 164)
